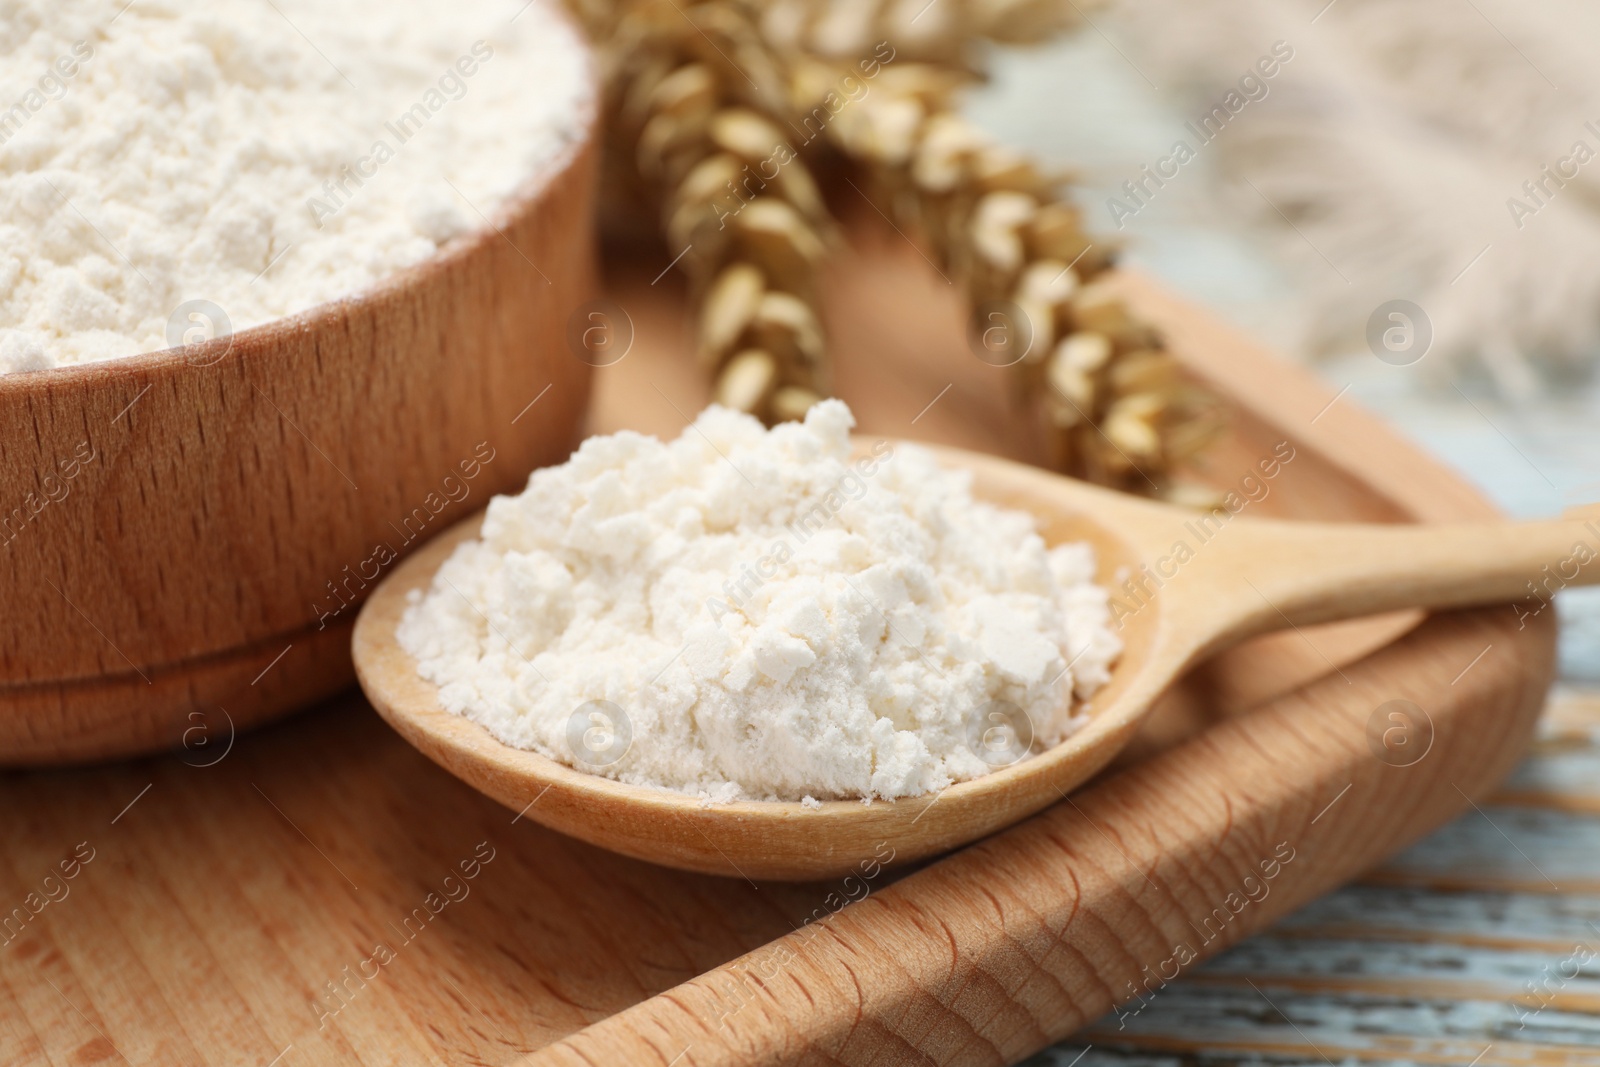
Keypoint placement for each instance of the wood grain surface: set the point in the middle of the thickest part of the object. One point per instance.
(320, 893)
(231, 504)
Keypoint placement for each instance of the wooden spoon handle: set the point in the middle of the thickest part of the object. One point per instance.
(1269, 575)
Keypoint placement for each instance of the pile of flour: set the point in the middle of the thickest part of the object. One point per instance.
(745, 613)
(263, 156)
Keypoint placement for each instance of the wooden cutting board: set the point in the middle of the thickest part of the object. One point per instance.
(318, 892)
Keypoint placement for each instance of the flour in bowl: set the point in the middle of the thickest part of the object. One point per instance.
(745, 613)
(263, 157)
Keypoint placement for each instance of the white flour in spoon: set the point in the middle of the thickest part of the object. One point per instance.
(744, 613)
(264, 156)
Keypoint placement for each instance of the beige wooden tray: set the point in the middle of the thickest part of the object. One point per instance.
(320, 893)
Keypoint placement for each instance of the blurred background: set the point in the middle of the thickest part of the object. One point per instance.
(1386, 159)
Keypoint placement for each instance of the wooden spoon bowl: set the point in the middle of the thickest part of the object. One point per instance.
(1183, 583)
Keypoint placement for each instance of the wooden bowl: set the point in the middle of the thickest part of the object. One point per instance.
(190, 532)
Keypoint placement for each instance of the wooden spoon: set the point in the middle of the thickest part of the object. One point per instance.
(1184, 584)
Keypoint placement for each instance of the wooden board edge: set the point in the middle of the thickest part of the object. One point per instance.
(1026, 937)
(1292, 398)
